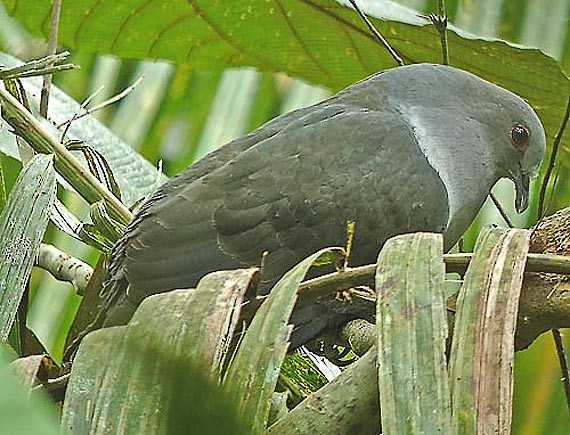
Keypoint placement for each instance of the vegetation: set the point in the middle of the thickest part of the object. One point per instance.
(201, 93)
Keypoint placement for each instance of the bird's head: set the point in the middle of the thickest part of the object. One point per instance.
(472, 131)
(521, 147)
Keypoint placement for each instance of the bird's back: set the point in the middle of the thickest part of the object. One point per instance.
(288, 189)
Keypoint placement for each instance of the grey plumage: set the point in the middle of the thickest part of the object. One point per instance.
(415, 148)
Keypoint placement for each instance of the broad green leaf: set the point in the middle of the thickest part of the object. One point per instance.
(320, 41)
(482, 353)
(252, 375)
(412, 329)
(162, 369)
(22, 226)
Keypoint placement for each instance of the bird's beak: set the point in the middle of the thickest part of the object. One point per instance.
(522, 184)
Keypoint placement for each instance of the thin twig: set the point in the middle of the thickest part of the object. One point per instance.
(501, 210)
(75, 116)
(102, 105)
(9, 74)
(439, 21)
(349, 241)
(563, 364)
(548, 203)
(550, 166)
(37, 67)
(52, 48)
(378, 35)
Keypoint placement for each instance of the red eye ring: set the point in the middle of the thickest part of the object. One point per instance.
(520, 136)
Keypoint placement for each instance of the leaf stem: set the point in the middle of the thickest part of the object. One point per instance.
(377, 34)
(563, 363)
(550, 166)
(439, 21)
(86, 184)
(52, 48)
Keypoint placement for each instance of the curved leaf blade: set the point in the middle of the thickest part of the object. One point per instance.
(22, 226)
(140, 378)
(482, 353)
(252, 375)
(412, 329)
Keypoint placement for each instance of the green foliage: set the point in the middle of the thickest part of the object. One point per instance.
(22, 225)
(318, 41)
(295, 38)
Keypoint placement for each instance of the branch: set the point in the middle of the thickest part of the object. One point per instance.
(364, 275)
(64, 267)
(87, 185)
(52, 48)
(340, 297)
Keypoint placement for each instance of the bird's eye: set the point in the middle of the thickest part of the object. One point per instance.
(520, 136)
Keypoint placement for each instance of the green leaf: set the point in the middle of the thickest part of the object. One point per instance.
(162, 369)
(252, 375)
(22, 226)
(412, 329)
(296, 37)
(482, 353)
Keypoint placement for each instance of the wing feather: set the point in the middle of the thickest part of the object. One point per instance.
(288, 191)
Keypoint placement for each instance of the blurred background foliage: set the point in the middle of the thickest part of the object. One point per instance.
(181, 111)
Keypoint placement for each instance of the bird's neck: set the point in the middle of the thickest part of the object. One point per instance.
(466, 168)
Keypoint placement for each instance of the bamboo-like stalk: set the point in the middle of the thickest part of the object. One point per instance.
(70, 168)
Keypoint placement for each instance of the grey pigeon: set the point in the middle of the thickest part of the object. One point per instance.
(414, 148)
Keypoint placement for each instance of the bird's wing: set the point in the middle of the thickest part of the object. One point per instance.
(289, 194)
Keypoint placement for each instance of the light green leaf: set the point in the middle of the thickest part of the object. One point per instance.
(22, 226)
(412, 329)
(162, 369)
